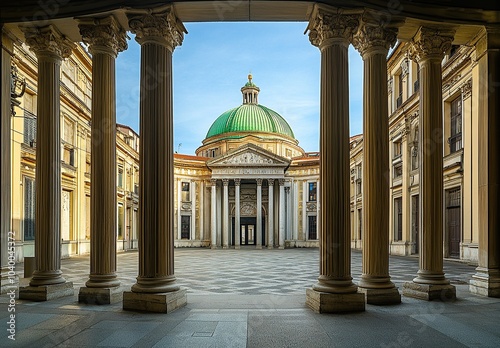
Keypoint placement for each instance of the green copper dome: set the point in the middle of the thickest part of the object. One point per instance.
(250, 117)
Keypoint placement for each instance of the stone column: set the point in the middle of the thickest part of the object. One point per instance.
(213, 218)
(258, 237)
(237, 228)
(6, 281)
(192, 235)
(105, 39)
(179, 208)
(270, 214)
(281, 212)
(428, 48)
(156, 289)
(335, 291)
(225, 214)
(486, 281)
(47, 282)
(373, 42)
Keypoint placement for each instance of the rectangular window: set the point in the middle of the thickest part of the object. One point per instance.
(416, 84)
(397, 149)
(120, 177)
(29, 136)
(185, 188)
(120, 221)
(68, 155)
(29, 209)
(398, 219)
(68, 134)
(185, 226)
(312, 228)
(313, 191)
(358, 186)
(360, 223)
(399, 100)
(455, 139)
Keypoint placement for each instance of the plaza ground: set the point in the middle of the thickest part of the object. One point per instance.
(255, 298)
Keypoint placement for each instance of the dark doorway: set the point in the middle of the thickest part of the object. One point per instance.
(453, 212)
(248, 231)
(414, 224)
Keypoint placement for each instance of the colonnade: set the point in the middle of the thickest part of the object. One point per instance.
(222, 239)
(332, 31)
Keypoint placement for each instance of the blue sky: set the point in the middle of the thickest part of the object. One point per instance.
(212, 65)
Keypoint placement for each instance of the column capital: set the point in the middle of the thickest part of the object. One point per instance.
(48, 42)
(213, 182)
(373, 38)
(270, 182)
(329, 26)
(430, 43)
(237, 182)
(259, 182)
(103, 35)
(225, 182)
(281, 182)
(162, 28)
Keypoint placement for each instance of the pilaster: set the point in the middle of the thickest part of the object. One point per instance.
(428, 48)
(158, 33)
(105, 39)
(486, 280)
(330, 30)
(373, 41)
(47, 282)
(259, 215)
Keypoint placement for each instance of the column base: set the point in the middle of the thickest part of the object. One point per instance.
(281, 247)
(324, 302)
(381, 296)
(485, 283)
(270, 247)
(258, 247)
(46, 292)
(429, 292)
(165, 302)
(214, 247)
(100, 295)
(237, 247)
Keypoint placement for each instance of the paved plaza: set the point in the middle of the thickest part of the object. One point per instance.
(255, 298)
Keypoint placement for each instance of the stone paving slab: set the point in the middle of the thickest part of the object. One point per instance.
(255, 298)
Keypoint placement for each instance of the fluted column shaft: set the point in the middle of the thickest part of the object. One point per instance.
(237, 217)
(213, 211)
(158, 35)
(281, 222)
(225, 214)
(331, 33)
(428, 47)
(270, 214)
(259, 215)
(105, 39)
(50, 47)
(373, 42)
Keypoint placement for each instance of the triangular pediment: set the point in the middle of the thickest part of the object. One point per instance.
(249, 155)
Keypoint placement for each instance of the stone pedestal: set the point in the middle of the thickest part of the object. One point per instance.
(324, 302)
(46, 292)
(429, 292)
(485, 283)
(100, 295)
(381, 296)
(155, 302)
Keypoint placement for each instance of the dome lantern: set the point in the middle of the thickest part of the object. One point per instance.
(250, 92)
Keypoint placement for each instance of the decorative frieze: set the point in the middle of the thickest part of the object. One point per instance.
(466, 89)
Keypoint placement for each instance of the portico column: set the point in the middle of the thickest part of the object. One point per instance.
(259, 215)
(213, 211)
(428, 48)
(156, 289)
(281, 222)
(225, 214)
(105, 38)
(334, 292)
(486, 280)
(373, 42)
(237, 228)
(47, 282)
(270, 214)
